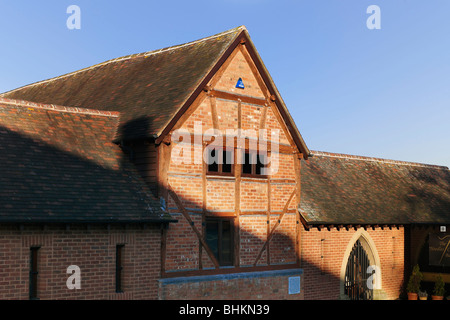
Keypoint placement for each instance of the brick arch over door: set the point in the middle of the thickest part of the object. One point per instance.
(369, 246)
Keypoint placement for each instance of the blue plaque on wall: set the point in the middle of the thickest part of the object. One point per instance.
(240, 84)
(294, 285)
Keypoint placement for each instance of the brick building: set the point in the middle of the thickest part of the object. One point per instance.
(179, 174)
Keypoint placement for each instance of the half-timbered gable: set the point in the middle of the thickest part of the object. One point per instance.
(260, 208)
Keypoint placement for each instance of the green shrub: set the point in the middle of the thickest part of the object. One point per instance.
(414, 280)
(439, 286)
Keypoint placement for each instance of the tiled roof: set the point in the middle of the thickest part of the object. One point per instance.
(345, 189)
(58, 164)
(147, 89)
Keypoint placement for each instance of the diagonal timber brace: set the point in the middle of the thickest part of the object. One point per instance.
(272, 232)
(191, 223)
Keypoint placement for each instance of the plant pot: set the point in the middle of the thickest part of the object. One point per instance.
(437, 297)
(412, 296)
(423, 298)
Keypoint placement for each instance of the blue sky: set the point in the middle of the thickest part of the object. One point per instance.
(382, 93)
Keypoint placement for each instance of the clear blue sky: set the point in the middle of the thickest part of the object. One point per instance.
(382, 93)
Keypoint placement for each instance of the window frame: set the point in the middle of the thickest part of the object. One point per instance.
(253, 173)
(221, 259)
(119, 268)
(34, 273)
(219, 171)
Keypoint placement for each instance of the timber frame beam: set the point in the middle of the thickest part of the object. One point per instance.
(272, 232)
(191, 223)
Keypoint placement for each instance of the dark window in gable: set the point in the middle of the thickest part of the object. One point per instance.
(260, 164)
(220, 161)
(213, 165)
(247, 165)
(227, 161)
(254, 164)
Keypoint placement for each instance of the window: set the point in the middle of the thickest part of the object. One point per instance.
(119, 267)
(219, 237)
(34, 272)
(220, 161)
(254, 164)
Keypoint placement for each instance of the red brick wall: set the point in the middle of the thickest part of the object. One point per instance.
(93, 250)
(282, 246)
(253, 234)
(239, 68)
(323, 257)
(254, 196)
(268, 285)
(182, 249)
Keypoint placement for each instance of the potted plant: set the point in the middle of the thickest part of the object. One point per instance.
(413, 286)
(423, 295)
(438, 291)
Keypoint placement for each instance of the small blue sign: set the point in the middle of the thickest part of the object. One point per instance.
(240, 84)
(294, 285)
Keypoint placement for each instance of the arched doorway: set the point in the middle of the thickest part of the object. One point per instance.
(360, 265)
(356, 275)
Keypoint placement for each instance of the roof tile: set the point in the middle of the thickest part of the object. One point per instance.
(61, 166)
(346, 189)
(148, 88)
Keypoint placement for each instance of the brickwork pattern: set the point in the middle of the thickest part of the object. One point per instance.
(323, 256)
(92, 250)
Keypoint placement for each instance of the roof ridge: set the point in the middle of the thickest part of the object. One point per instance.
(127, 57)
(374, 159)
(149, 53)
(53, 107)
